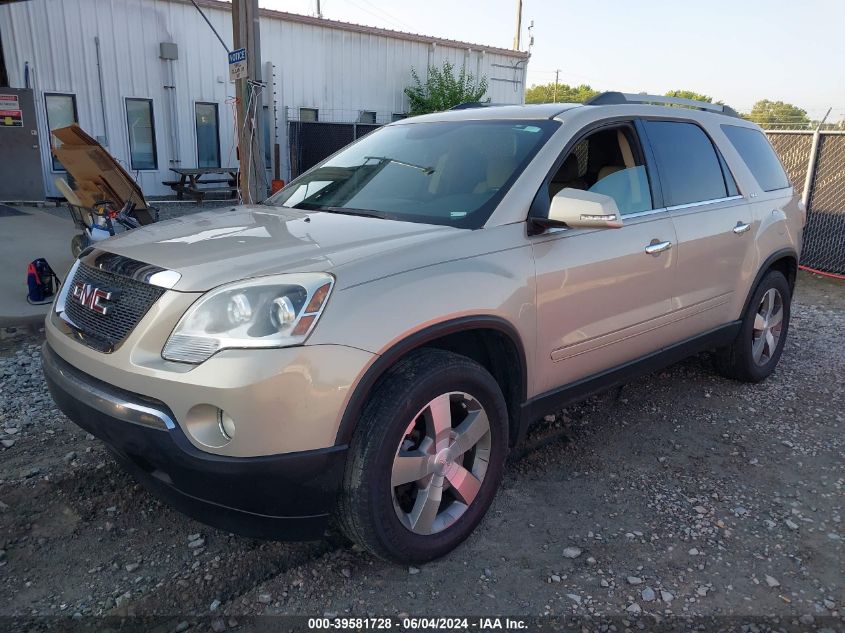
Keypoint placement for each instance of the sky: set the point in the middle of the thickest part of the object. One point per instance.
(737, 51)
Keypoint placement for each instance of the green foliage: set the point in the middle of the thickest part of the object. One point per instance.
(767, 114)
(777, 114)
(689, 94)
(565, 93)
(443, 90)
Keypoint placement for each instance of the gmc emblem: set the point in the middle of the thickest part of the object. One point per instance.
(92, 297)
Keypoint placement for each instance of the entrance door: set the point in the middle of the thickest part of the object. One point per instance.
(21, 175)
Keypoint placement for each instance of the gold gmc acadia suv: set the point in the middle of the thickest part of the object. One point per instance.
(370, 342)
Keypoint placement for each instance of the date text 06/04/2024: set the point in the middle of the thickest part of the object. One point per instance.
(419, 623)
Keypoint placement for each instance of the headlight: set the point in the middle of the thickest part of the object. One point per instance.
(273, 311)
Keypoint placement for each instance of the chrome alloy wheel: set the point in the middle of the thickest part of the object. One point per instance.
(768, 325)
(440, 463)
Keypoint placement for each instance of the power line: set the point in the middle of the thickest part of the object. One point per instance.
(381, 16)
(389, 15)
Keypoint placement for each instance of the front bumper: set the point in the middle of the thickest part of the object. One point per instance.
(288, 496)
(285, 400)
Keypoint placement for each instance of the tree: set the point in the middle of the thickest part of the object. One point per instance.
(689, 94)
(546, 93)
(443, 90)
(777, 114)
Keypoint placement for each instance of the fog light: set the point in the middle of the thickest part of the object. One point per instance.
(226, 424)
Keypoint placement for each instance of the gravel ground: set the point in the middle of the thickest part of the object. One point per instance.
(680, 494)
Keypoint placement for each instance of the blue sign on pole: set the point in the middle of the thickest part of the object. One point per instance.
(237, 64)
(237, 56)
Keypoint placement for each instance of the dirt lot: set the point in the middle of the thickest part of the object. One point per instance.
(682, 493)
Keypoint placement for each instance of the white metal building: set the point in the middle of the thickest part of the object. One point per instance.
(101, 63)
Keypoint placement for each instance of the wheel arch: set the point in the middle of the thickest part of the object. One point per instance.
(785, 261)
(489, 340)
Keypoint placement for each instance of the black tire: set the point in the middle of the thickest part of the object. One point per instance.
(78, 244)
(737, 359)
(366, 509)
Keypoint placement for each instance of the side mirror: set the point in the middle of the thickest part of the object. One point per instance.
(574, 208)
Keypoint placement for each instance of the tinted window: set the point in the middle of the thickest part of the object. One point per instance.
(450, 173)
(308, 114)
(761, 159)
(208, 135)
(688, 164)
(142, 137)
(61, 112)
(367, 116)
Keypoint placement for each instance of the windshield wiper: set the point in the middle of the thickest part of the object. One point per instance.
(426, 170)
(367, 213)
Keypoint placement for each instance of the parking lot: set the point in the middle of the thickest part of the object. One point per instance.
(682, 493)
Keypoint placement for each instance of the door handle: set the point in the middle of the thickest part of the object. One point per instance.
(741, 228)
(655, 248)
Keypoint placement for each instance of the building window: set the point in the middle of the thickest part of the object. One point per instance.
(142, 138)
(398, 116)
(308, 114)
(208, 134)
(61, 112)
(367, 116)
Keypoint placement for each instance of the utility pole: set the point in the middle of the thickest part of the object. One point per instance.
(319, 11)
(246, 35)
(557, 72)
(517, 39)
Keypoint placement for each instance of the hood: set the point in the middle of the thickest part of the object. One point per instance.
(228, 244)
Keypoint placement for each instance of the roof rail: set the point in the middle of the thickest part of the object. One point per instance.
(616, 98)
(472, 104)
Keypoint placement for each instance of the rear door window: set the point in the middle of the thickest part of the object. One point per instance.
(754, 148)
(687, 161)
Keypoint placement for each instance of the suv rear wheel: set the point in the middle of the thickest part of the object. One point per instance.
(426, 459)
(756, 351)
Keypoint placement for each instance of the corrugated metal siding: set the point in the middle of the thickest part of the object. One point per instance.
(340, 72)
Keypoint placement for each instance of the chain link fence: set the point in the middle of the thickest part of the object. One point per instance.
(822, 156)
(311, 140)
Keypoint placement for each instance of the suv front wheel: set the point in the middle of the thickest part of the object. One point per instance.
(426, 458)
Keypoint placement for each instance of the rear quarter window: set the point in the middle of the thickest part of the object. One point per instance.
(754, 148)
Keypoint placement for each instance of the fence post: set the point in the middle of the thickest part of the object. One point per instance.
(811, 169)
(286, 123)
(811, 166)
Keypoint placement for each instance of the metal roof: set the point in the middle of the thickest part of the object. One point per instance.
(360, 28)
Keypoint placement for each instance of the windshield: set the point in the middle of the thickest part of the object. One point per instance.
(449, 172)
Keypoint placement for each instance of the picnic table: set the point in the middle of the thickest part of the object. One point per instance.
(193, 181)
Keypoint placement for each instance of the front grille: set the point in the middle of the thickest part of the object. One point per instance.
(131, 301)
